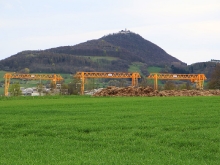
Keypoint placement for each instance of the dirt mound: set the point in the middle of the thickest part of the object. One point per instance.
(148, 91)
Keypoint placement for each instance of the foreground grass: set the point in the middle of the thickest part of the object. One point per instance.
(123, 130)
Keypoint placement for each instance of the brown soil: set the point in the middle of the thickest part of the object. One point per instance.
(148, 91)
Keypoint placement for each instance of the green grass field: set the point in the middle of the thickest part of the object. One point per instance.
(110, 130)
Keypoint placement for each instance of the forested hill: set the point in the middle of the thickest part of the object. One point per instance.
(138, 46)
(114, 52)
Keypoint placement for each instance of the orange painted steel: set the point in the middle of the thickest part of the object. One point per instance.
(82, 75)
(53, 77)
(194, 78)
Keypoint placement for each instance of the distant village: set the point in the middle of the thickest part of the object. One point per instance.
(35, 91)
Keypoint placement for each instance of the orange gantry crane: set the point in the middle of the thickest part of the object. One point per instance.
(194, 78)
(82, 75)
(53, 77)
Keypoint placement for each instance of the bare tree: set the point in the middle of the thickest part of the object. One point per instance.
(15, 90)
(214, 82)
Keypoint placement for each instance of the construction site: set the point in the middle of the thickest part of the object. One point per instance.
(134, 89)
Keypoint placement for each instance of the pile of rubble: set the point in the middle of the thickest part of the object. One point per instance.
(148, 91)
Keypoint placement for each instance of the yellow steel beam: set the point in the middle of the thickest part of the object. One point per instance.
(195, 78)
(53, 77)
(106, 74)
(82, 75)
(36, 76)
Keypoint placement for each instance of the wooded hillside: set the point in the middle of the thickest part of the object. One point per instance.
(114, 52)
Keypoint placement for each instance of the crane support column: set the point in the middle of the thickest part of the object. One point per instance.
(155, 82)
(82, 83)
(7, 82)
(135, 79)
(55, 79)
(201, 79)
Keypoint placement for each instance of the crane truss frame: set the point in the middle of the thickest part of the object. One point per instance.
(53, 77)
(83, 75)
(194, 78)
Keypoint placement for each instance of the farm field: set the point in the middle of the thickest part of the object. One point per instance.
(109, 130)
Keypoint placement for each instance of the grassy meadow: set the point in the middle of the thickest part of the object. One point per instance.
(154, 69)
(109, 130)
(135, 67)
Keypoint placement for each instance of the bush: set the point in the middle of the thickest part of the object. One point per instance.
(169, 85)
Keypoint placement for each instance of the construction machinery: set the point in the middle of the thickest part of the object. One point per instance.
(83, 75)
(198, 79)
(53, 77)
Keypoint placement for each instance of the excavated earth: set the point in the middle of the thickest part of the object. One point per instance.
(150, 92)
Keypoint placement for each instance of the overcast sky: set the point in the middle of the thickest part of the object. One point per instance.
(186, 29)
